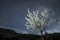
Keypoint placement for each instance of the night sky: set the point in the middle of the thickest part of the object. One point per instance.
(12, 13)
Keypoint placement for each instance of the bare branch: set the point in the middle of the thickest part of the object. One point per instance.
(42, 20)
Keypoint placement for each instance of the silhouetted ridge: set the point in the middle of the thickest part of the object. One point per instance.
(8, 34)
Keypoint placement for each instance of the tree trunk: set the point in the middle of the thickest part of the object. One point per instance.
(42, 37)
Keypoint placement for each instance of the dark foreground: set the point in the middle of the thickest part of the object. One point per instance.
(7, 34)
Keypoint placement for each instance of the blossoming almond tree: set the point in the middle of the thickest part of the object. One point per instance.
(40, 20)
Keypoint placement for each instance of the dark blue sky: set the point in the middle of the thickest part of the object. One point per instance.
(12, 12)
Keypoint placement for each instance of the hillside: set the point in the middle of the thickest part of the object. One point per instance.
(8, 34)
